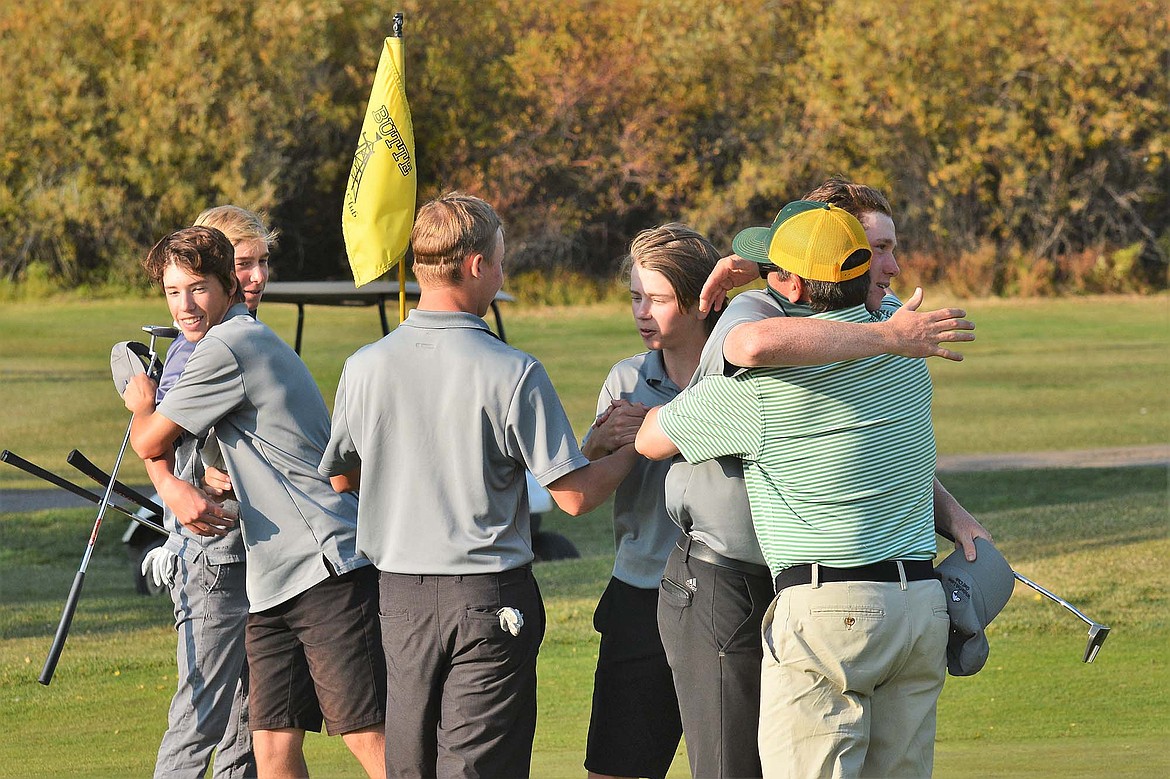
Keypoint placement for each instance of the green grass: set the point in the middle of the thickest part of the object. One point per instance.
(1044, 375)
(1097, 537)
(1060, 374)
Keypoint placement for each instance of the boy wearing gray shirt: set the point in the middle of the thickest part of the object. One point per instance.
(438, 421)
(312, 637)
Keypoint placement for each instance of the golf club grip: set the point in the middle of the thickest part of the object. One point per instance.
(17, 461)
(33, 469)
(62, 630)
(86, 466)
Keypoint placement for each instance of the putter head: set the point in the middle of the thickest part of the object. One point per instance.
(1097, 635)
(161, 331)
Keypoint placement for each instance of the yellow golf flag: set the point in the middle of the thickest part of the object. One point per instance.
(379, 198)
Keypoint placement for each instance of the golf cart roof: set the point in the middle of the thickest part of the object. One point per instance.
(343, 293)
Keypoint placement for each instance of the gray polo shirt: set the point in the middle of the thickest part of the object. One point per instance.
(709, 500)
(443, 417)
(189, 467)
(643, 532)
(272, 426)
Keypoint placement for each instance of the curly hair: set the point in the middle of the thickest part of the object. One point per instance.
(201, 251)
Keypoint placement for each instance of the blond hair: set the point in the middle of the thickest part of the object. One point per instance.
(447, 230)
(239, 224)
(682, 255)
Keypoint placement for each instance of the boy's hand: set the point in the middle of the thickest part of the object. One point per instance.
(139, 394)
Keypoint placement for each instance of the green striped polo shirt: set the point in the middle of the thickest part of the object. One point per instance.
(839, 459)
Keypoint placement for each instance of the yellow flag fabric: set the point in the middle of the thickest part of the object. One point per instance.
(380, 196)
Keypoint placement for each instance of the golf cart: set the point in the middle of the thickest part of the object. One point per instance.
(546, 546)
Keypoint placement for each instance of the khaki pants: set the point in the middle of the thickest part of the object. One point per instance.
(851, 677)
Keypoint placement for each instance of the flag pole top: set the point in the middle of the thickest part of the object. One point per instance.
(396, 26)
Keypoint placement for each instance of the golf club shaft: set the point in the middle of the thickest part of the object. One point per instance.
(86, 466)
(1053, 597)
(75, 591)
(33, 469)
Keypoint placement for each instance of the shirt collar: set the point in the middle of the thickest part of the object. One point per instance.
(237, 309)
(654, 370)
(445, 320)
(787, 306)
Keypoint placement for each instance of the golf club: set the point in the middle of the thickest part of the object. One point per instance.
(1097, 632)
(86, 466)
(153, 368)
(17, 461)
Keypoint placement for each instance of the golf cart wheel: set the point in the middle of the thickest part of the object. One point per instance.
(144, 585)
(551, 546)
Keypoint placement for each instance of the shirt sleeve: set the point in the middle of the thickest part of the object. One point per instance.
(341, 455)
(748, 310)
(604, 399)
(717, 417)
(538, 433)
(209, 389)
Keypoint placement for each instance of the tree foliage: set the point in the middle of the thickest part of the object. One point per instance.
(1024, 143)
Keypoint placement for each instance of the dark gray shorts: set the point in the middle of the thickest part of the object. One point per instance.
(319, 656)
(634, 725)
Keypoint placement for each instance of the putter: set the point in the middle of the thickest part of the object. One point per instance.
(1097, 632)
(153, 369)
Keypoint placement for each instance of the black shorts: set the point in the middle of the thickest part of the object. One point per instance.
(319, 656)
(634, 727)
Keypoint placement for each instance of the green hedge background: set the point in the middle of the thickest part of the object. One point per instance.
(1025, 144)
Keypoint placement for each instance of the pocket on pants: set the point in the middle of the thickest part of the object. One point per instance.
(675, 594)
(736, 624)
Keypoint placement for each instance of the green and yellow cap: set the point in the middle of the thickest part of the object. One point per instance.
(811, 239)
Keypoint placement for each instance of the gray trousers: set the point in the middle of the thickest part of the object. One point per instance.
(461, 690)
(709, 619)
(209, 712)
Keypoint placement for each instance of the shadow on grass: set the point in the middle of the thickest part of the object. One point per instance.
(41, 551)
(1003, 490)
(1057, 511)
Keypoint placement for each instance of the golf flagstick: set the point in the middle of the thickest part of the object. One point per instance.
(75, 591)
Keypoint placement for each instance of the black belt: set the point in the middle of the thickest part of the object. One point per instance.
(700, 551)
(885, 571)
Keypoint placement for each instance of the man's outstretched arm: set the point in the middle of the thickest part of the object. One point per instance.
(783, 341)
(584, 489)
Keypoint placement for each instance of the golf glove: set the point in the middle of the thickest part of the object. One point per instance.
(161, 565)
(511, 620)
